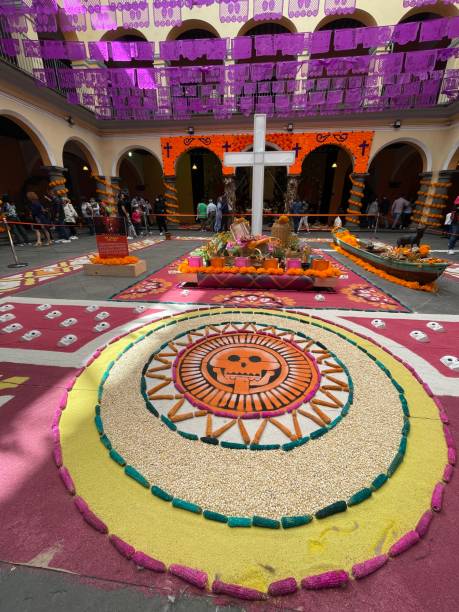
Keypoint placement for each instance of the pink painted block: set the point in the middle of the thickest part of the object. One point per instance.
(67, 480)
(437, 497)
(235, 590)
(56, 435)
(147, 562)
(195, 261)
(122, 547)
(450, 441)
(283, 587)
(57, 454)
(293, 263)
(424, 523)
(360, 570)
(444, 417)
(448, 473)
(427, 389)
(81, 505)
(95, 522)
(63, 400)
(452, 456)
(189, 574)
(56, 419)
(407, 541)
(241, 262)
(327, 580)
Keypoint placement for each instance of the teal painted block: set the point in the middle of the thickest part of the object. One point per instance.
(264, 447)
(172, 426)
(239, 521)
(395, 463)
(143, 385)
(339, 506)
(399, 388)
(97, 409)
(261, 521)
(235, 445)
(379, 481)
(215, 516)
(359, 497)
(402, 447)
(106, 442)
(184, 505)
(406, 427)
(99, 424)
(188, 436)
(318, 433)
(295, 521)
(161, 493)
(117, 457)
(151, 408)
(345, 410)
(135, 475)
(288, 446)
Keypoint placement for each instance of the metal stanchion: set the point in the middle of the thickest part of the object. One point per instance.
(376, 224)
(17, 263)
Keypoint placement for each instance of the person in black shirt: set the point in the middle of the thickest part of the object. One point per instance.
(160, 209)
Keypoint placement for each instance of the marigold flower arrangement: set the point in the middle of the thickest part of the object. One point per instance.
(114, 261)
(283, 220)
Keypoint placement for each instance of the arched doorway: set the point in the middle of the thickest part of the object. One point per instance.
(274, 187)
(141, 174)
(21, 167)
(80, 165)
(325, 179)
(395, 170)
(199, 176)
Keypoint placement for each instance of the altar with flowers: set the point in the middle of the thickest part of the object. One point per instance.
(238, 260)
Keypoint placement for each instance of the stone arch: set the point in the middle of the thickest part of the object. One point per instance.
(452, 159)
(252, 23)
(119, 156)
(114, 35)
(197, 146)
(358, 15)
(268, 143)
(88, 152)
(192, 24)
(440, 9)
(422, 149)
(199, 174)
(43, 147)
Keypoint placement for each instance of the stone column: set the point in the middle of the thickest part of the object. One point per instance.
(171, 198)
(440, 197)
(356, 198)
(419, 213)
(56, 179)
(105, 194)
(291, 193)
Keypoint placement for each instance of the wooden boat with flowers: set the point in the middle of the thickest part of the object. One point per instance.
(394, 262)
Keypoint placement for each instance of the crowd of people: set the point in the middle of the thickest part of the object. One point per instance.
(214, 217)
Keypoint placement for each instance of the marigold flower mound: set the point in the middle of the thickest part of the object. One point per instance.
(114, 261)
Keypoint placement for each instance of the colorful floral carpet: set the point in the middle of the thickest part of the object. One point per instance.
(89, 487)
(353, 292)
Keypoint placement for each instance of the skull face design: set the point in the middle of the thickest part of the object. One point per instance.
(420, 336)
(140, 308)
(31, 335)
(68, 322)
(43, 307)
(101, 326)
(14, 327)
(451, 362)
(92, 308)
(378, 323)
(67, 340)
(6, 307)
(102, 315)
(434, 326)
(7, 317)
(244, 368)
(54, 314)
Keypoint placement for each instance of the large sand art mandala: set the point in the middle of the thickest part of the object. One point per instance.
(162, 448)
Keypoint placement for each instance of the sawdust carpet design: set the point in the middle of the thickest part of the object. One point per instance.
(210, 462)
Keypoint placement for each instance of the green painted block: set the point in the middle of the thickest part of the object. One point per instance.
(188, 436)
(379, 481)
(97, 409)
(99, 424)
(402, 447)
(288, 446)
(239, 521)
(295, 521)
(117, 457)
(359, 497)
(339, 506)
(106, 442)
(100, 392)
(161, 493)
(406, 427)
(215, 516)
(151, 408)
(135, 475)
(335, 422)
(318, 433)
(235, 445)
(395, 463)
(399, 388)
(184, 505)
(345, 410)
(264, 447)
(172, 426)
(261, 521)
(143, 385)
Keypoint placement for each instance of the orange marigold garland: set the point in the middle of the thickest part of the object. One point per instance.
(114, 261)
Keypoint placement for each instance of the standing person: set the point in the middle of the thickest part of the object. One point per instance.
(454, 235)
(202, 214)
(447, 225)
(160, 211)
(372, 212)
(211, 214)
(57, 215)
(296, 209)
(70, 218)
(304, 220)
(218, 216)
(9, 208)
(384, 207)
(225, 213)
(124, 212)
(406, 215)
(88, 216)
(136, 217)
(398, 207)
(39, 217)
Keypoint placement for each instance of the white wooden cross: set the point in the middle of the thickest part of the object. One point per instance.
(258, 159)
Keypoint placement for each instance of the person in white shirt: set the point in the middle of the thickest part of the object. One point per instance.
(70, 218)
(211, 214)
(372, 212)
(398, 207)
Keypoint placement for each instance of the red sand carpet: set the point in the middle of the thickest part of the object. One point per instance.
(41, 527)
(353, 292)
